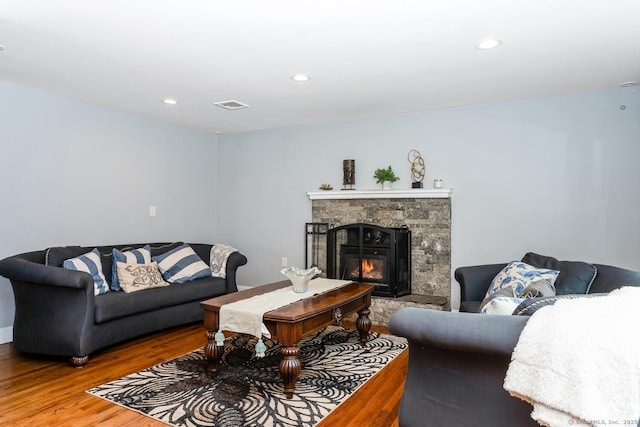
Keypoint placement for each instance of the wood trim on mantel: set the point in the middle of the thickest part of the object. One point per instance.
(439, 193)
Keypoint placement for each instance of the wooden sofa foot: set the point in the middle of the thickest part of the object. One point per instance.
(79, 361)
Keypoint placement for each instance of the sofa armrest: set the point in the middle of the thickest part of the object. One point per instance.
(475, 280)
(609, 278)
(235, 261)
(54, 307)
(456, 369)
(19, 269)
(467, 332)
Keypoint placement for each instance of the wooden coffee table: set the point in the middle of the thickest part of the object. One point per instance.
(290, 323)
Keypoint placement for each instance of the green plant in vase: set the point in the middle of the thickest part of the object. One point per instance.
(385, 177)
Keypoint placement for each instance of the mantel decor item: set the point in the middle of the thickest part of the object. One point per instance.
(348, 174)
(385, 177)
(300, 278)
(417, 168)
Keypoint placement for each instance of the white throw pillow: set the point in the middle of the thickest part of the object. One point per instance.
(137, 277)
(501, 305)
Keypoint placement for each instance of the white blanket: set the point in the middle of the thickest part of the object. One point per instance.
(218, 257)
(578, 361)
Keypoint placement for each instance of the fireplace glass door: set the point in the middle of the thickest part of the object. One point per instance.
(372, 267)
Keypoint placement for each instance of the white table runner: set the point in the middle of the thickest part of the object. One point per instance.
(245, 316)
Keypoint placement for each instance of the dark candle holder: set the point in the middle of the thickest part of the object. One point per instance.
(348, 174)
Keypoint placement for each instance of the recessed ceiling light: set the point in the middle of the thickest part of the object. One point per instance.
(629, 84)
(300, 78)
(489, 43)
(169, 101)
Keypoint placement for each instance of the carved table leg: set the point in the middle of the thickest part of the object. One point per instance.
(363, 324)
(290, 368)
(213, 353)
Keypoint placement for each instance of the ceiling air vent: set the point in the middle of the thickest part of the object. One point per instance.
(231, 105)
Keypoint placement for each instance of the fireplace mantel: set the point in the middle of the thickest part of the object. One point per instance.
(436, 193)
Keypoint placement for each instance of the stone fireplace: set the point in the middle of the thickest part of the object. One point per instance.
(426, 213)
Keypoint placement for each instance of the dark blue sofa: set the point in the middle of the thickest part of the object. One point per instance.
(458, 360)
(57, 313)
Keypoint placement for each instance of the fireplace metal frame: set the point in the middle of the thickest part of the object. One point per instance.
(366, 239)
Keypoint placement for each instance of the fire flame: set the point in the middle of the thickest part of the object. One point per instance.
(367, 266)
(368, 269)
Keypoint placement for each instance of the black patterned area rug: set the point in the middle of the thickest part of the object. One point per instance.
(248, 390)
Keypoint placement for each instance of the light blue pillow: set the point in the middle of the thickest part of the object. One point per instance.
(90, 263)
(517, 275)
(181, 265)
(134, 256)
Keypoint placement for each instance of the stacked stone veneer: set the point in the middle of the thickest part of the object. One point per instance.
(429, 220)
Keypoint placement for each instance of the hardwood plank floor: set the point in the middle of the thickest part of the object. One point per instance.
(37, 391)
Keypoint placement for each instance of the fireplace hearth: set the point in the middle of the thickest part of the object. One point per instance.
(372, 254)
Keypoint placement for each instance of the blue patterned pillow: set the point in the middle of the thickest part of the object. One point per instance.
(90, 263)
(181, 265)
(517, 275)
(134, 256)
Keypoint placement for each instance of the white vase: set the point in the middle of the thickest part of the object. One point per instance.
(300, 278)
(386, 185)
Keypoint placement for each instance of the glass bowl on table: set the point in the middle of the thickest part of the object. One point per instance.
(300, 278)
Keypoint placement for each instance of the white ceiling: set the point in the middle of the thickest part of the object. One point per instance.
(365, 57)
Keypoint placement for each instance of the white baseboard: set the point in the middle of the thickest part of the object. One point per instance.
(243, 287)
(6, 334)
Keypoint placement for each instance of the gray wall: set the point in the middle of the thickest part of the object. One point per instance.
(71, 173)
(556, 175)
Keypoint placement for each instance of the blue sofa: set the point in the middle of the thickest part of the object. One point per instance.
(57, 313)
(458, 360)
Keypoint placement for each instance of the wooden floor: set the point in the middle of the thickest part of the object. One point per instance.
(49, 392)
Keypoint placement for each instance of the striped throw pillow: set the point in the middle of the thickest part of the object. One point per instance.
(90, 263)
(181, 265)
(134, 256)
